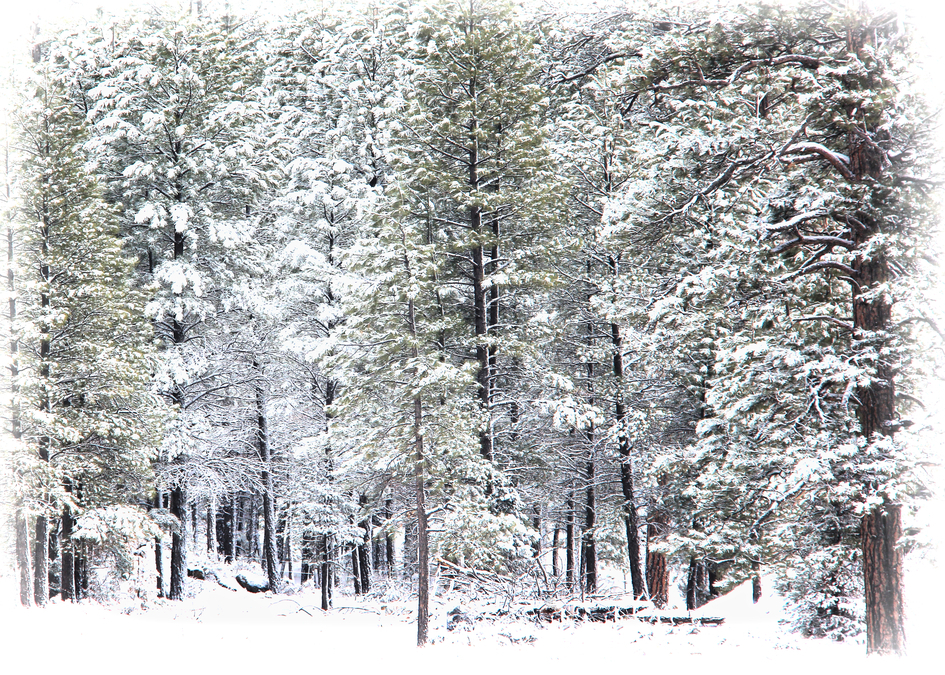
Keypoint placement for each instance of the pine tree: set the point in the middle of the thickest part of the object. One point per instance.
(328, 77)
(82, 382)
(796, 428)
(407, 411)
(475, 143)
(177, 125)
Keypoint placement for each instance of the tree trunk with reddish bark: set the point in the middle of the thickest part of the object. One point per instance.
(657, 571)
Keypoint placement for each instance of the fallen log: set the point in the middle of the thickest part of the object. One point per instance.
(555, 613)
(208, 576)
(675, 620)
(612, 613)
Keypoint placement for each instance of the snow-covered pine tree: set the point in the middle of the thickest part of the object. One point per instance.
(597, 145)
(177, 126)
(404, 404)
(474, 140)
(326, 86)
(88, 422)
(767, 127)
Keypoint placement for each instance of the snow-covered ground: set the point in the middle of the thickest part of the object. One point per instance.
(217, 630)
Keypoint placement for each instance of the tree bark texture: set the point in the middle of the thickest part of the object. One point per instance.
(364, 549)
(326, 580)
(159, 567)
(158, 552)
(356, 570)
(632, 519)
(24, 568)
(41, 561)
(81, 566)
(698, 584)
(569, 544)
(423, 551)
(657, 578)
(269, 515)
(882, 568)
(536, 523)
(233, 542)
(67, 588)
(588, 543)
(882, 526)
(211, 524)
(193, 522)
(423, 554)
(389, 539)
(555, 542)
(178, 542)
(224, 528)
(657, 570)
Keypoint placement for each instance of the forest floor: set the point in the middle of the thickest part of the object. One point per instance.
(216, 630)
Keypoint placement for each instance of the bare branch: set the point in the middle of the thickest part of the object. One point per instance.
(823, 265)
(838, 160)
(801, 240)
(829, 319)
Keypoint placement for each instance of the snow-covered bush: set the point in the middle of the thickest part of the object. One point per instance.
(825, 593)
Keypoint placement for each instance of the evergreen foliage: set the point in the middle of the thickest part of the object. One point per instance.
(87, 423)
(468, 276)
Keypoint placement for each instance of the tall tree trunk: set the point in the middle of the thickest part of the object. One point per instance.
(325, 548)
(423, 550)
(177, 505)
(41, 537)
(265, 456)
(423, 555)
(569, 540)
(364, 549)
(555, 542)
(178, 542)
(158, 553)
(24, 567)
(657, 573)
(67, 574)
(252, 527)
(882, 568)
(480, 298)
(692, 583)
(356, 570)
(81, 567)
(193, 522)
(285, 547)
(211, 524)
(755, 583)
(41, 561)
(699, 584)
(631, 519)
(588, 543)
(882, 526)
(234, 528)
(389, 538)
